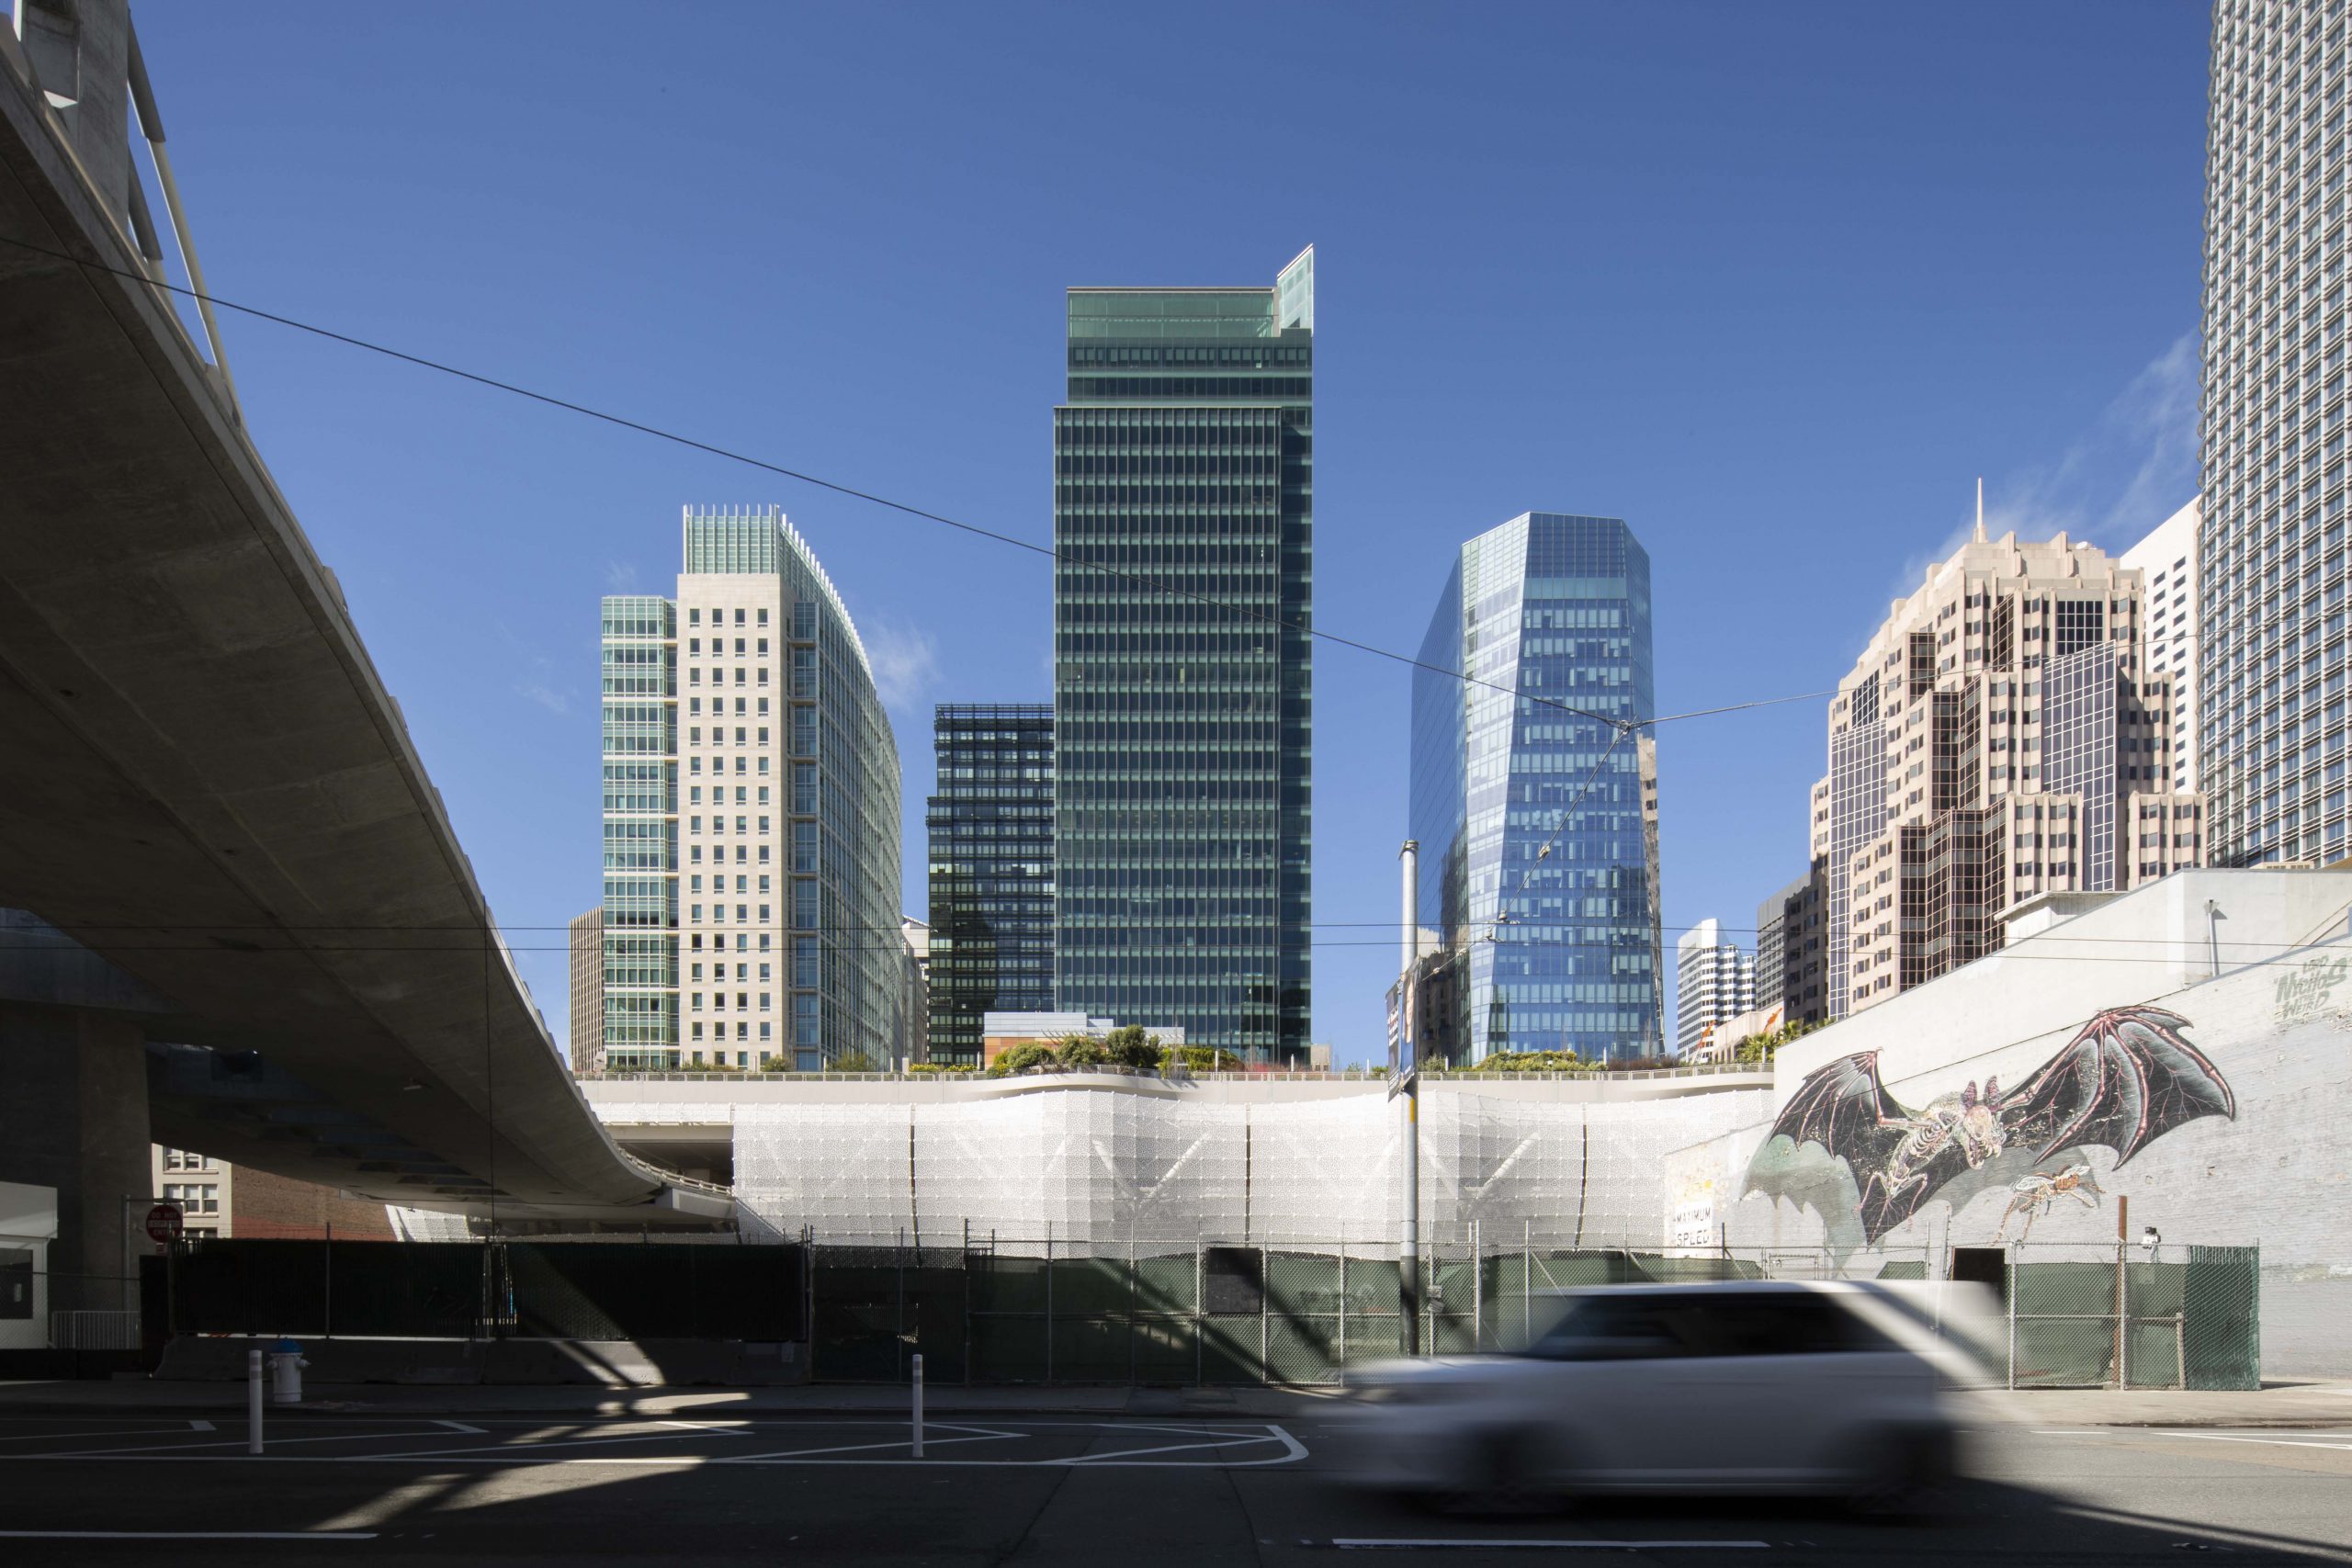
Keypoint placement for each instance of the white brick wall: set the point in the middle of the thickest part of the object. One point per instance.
(2279, 1030)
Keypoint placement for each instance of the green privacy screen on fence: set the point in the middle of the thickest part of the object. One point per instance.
(1207, 1314)
(466, 1289)
(1188, 1312)
(2190, 1318)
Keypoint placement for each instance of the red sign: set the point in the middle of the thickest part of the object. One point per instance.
(164, 1223)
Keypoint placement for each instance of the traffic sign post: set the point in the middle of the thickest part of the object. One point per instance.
(163, 1224)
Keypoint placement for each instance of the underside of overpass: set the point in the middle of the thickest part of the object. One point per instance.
(207, 788)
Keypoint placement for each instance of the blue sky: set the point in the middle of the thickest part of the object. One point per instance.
(1774, 284)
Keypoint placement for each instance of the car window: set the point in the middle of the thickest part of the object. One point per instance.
(1786, 1323)
(1621, 1328)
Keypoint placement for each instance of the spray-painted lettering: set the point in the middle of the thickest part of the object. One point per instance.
(2306, 988)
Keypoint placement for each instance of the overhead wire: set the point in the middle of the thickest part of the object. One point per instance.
(1619, 727)
(470, 934)
(1054, 553)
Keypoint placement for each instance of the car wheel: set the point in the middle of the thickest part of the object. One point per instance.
(1504, 1473)
(1902, 1476)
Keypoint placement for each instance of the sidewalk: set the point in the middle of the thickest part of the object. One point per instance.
(2281, 1404)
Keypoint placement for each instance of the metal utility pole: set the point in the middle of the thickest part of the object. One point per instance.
(1406, 1076)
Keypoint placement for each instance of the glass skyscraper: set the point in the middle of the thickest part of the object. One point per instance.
(2273, 656)
(751, 905)
(991, 828)
(1539, 888)
(1183, 508)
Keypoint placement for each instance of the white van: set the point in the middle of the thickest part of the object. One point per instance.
(1752, 1386)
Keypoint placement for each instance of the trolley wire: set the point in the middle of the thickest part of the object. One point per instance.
(1055, 553)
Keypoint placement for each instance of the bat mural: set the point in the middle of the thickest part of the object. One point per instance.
(2128, 1077)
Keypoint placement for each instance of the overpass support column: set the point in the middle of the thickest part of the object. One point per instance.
(74, 1116)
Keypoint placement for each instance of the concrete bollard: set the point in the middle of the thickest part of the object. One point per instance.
(918, 1404)
(253, 1401)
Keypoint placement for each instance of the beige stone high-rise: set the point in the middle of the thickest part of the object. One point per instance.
(587, 953)
(2000, 738)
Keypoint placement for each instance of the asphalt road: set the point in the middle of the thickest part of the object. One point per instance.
(1132, 1492)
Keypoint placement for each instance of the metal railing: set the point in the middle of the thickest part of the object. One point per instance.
(127, 212)
(94, 1330)
(1281, 1074)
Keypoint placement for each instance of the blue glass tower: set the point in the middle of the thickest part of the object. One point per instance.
(1541, 889)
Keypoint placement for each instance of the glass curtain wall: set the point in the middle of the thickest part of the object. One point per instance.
(640, 810)
(991, 827)
(1184, 502)
(2274, 572)
(1537, 866)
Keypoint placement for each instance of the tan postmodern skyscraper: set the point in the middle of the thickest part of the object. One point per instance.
(2000, 738)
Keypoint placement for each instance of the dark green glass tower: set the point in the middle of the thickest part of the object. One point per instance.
(991, 827)
(1183, 513)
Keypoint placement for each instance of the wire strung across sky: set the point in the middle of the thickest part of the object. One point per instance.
(23, 940)
(2275, 952)
(1619, 725)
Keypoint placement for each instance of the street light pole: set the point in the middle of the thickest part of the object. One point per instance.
(1408, 1243)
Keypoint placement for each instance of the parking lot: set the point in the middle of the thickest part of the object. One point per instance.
(1059, 1490)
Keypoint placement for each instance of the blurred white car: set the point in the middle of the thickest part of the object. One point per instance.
(1763, 1386)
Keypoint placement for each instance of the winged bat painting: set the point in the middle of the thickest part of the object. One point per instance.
(2128, 1077)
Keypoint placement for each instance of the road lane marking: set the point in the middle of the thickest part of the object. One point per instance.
(575, 1442)
(2270, 1442)
(1436, 1544)
(972, 1434)
(462, 1427)
(516, 1454)
(76, 1437)
(1167, 1448)
(222, 1443)
(202, 1426)
(2174, 1431)
(188, 1535)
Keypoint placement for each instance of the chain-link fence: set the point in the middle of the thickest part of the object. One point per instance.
(2117, 1315)
(1192, 1310)
(1204, 1310)
(1201, 1311)
(504, 1290)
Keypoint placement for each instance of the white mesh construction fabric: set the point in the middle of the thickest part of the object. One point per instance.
(1095, 1170)
(1322, 1170)
(427, 1224)
(664, 1112)
(840, 1169)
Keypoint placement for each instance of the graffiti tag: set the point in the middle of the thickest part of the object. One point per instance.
(2303, 991)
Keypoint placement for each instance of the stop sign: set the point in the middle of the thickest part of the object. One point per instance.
(164, 1223)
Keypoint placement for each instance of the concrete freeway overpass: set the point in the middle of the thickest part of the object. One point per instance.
(203, 781)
